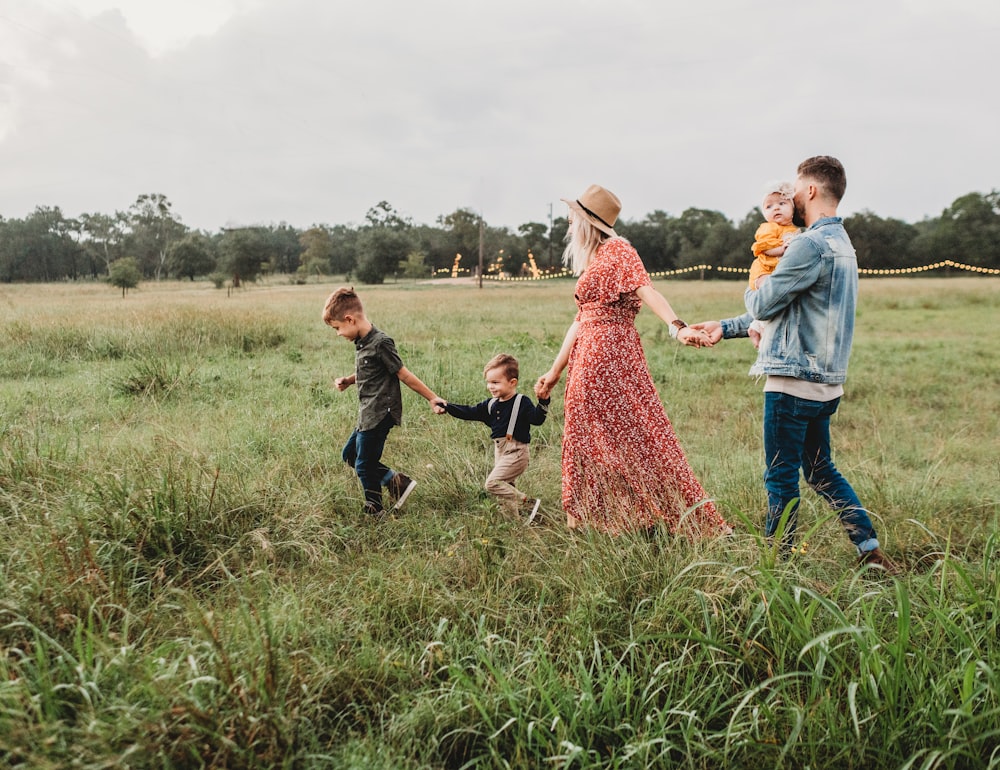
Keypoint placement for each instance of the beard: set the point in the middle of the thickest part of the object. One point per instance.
(798, 217)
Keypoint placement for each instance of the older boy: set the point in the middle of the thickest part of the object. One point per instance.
(377, 373)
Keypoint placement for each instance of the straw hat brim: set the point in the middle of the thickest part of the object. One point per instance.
(580, 211)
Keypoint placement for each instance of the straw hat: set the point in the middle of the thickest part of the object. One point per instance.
(598, 206)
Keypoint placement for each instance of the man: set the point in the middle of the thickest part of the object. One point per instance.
(809, 300)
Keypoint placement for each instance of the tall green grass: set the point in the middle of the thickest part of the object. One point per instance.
(186, 579)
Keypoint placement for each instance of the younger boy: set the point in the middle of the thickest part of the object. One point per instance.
(509, 415)
(378, 370)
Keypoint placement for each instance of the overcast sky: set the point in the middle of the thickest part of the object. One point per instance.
(313, 111)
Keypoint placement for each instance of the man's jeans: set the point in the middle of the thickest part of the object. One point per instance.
(797, 435)
(363, 452)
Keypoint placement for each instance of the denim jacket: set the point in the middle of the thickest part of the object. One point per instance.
(809, 303)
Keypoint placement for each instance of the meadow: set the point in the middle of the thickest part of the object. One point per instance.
(186, 578)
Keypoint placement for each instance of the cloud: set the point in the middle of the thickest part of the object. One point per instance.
(309, 112)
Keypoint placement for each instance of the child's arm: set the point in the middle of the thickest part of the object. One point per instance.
(410, 380)
(343, 383)
(539, 412)
(479, 412)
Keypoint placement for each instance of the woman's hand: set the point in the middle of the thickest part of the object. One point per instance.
(543, 388)
(696, 338)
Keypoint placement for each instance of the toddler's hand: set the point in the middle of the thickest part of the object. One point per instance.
(342, 383)
(754, 336)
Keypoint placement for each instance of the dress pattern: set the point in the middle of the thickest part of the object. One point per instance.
(622, 466)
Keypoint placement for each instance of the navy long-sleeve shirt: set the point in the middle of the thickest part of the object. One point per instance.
(498, 418)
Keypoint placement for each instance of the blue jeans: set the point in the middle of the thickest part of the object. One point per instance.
(363, 452)
(797, 436)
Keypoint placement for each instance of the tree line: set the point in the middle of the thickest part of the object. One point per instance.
(149, 241)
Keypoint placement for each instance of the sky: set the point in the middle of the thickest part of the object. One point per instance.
(313, 111)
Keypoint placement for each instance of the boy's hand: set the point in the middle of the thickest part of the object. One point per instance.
(438, 405)
(343, 383)
(544, 385)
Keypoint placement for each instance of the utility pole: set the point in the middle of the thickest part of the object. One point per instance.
(480, 251)
(550, 235)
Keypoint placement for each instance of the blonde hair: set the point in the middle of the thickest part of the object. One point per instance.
(784, 189)
(342, 302)
(582, 240)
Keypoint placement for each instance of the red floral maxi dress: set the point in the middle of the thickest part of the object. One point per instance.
(622, 466)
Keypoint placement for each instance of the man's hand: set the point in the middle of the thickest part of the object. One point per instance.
(696, 338)
(713, 329)
(438, 405)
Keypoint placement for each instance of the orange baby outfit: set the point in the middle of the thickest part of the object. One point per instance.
(768, 236)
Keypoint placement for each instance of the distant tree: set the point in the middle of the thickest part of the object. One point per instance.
(536, 240)
(461, 236)
(343, 248)
(125, 274)
(317, 250)
(414, 266)
(153, 227)
(383, 215)
(969, 231)
(654, 239)
(382, 244)
(705, 237)
(191, 256)
(242, 252)
(286, 249)
(881, 243)
(103, 236)
(380, 250)
(40, 247)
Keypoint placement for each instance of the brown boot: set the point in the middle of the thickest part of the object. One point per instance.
(876, 558)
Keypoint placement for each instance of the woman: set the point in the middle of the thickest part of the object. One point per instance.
(622, 467)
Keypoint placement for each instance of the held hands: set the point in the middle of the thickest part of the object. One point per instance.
(695, 337)
(438, 404)
(711, 329)
(543, 388)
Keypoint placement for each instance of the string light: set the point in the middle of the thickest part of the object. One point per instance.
(745, 271)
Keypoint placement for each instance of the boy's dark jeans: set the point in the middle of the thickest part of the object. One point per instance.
(363, 452)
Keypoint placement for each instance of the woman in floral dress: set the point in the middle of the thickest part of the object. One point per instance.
(622, 466)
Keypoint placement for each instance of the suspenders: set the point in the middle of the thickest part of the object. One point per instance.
(513, 413)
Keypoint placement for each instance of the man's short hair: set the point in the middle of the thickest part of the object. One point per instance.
(344, 301)
(828, 172)
(503, 361)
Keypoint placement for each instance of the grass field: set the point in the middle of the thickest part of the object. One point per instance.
(186, 579)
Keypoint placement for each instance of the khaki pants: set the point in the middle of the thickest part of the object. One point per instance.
(510, 460)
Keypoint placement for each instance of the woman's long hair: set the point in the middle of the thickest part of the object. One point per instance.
(582, 240)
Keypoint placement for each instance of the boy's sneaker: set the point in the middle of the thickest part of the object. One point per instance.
(876, 558)
(400, 486)
(374, 512)
(534, 509)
